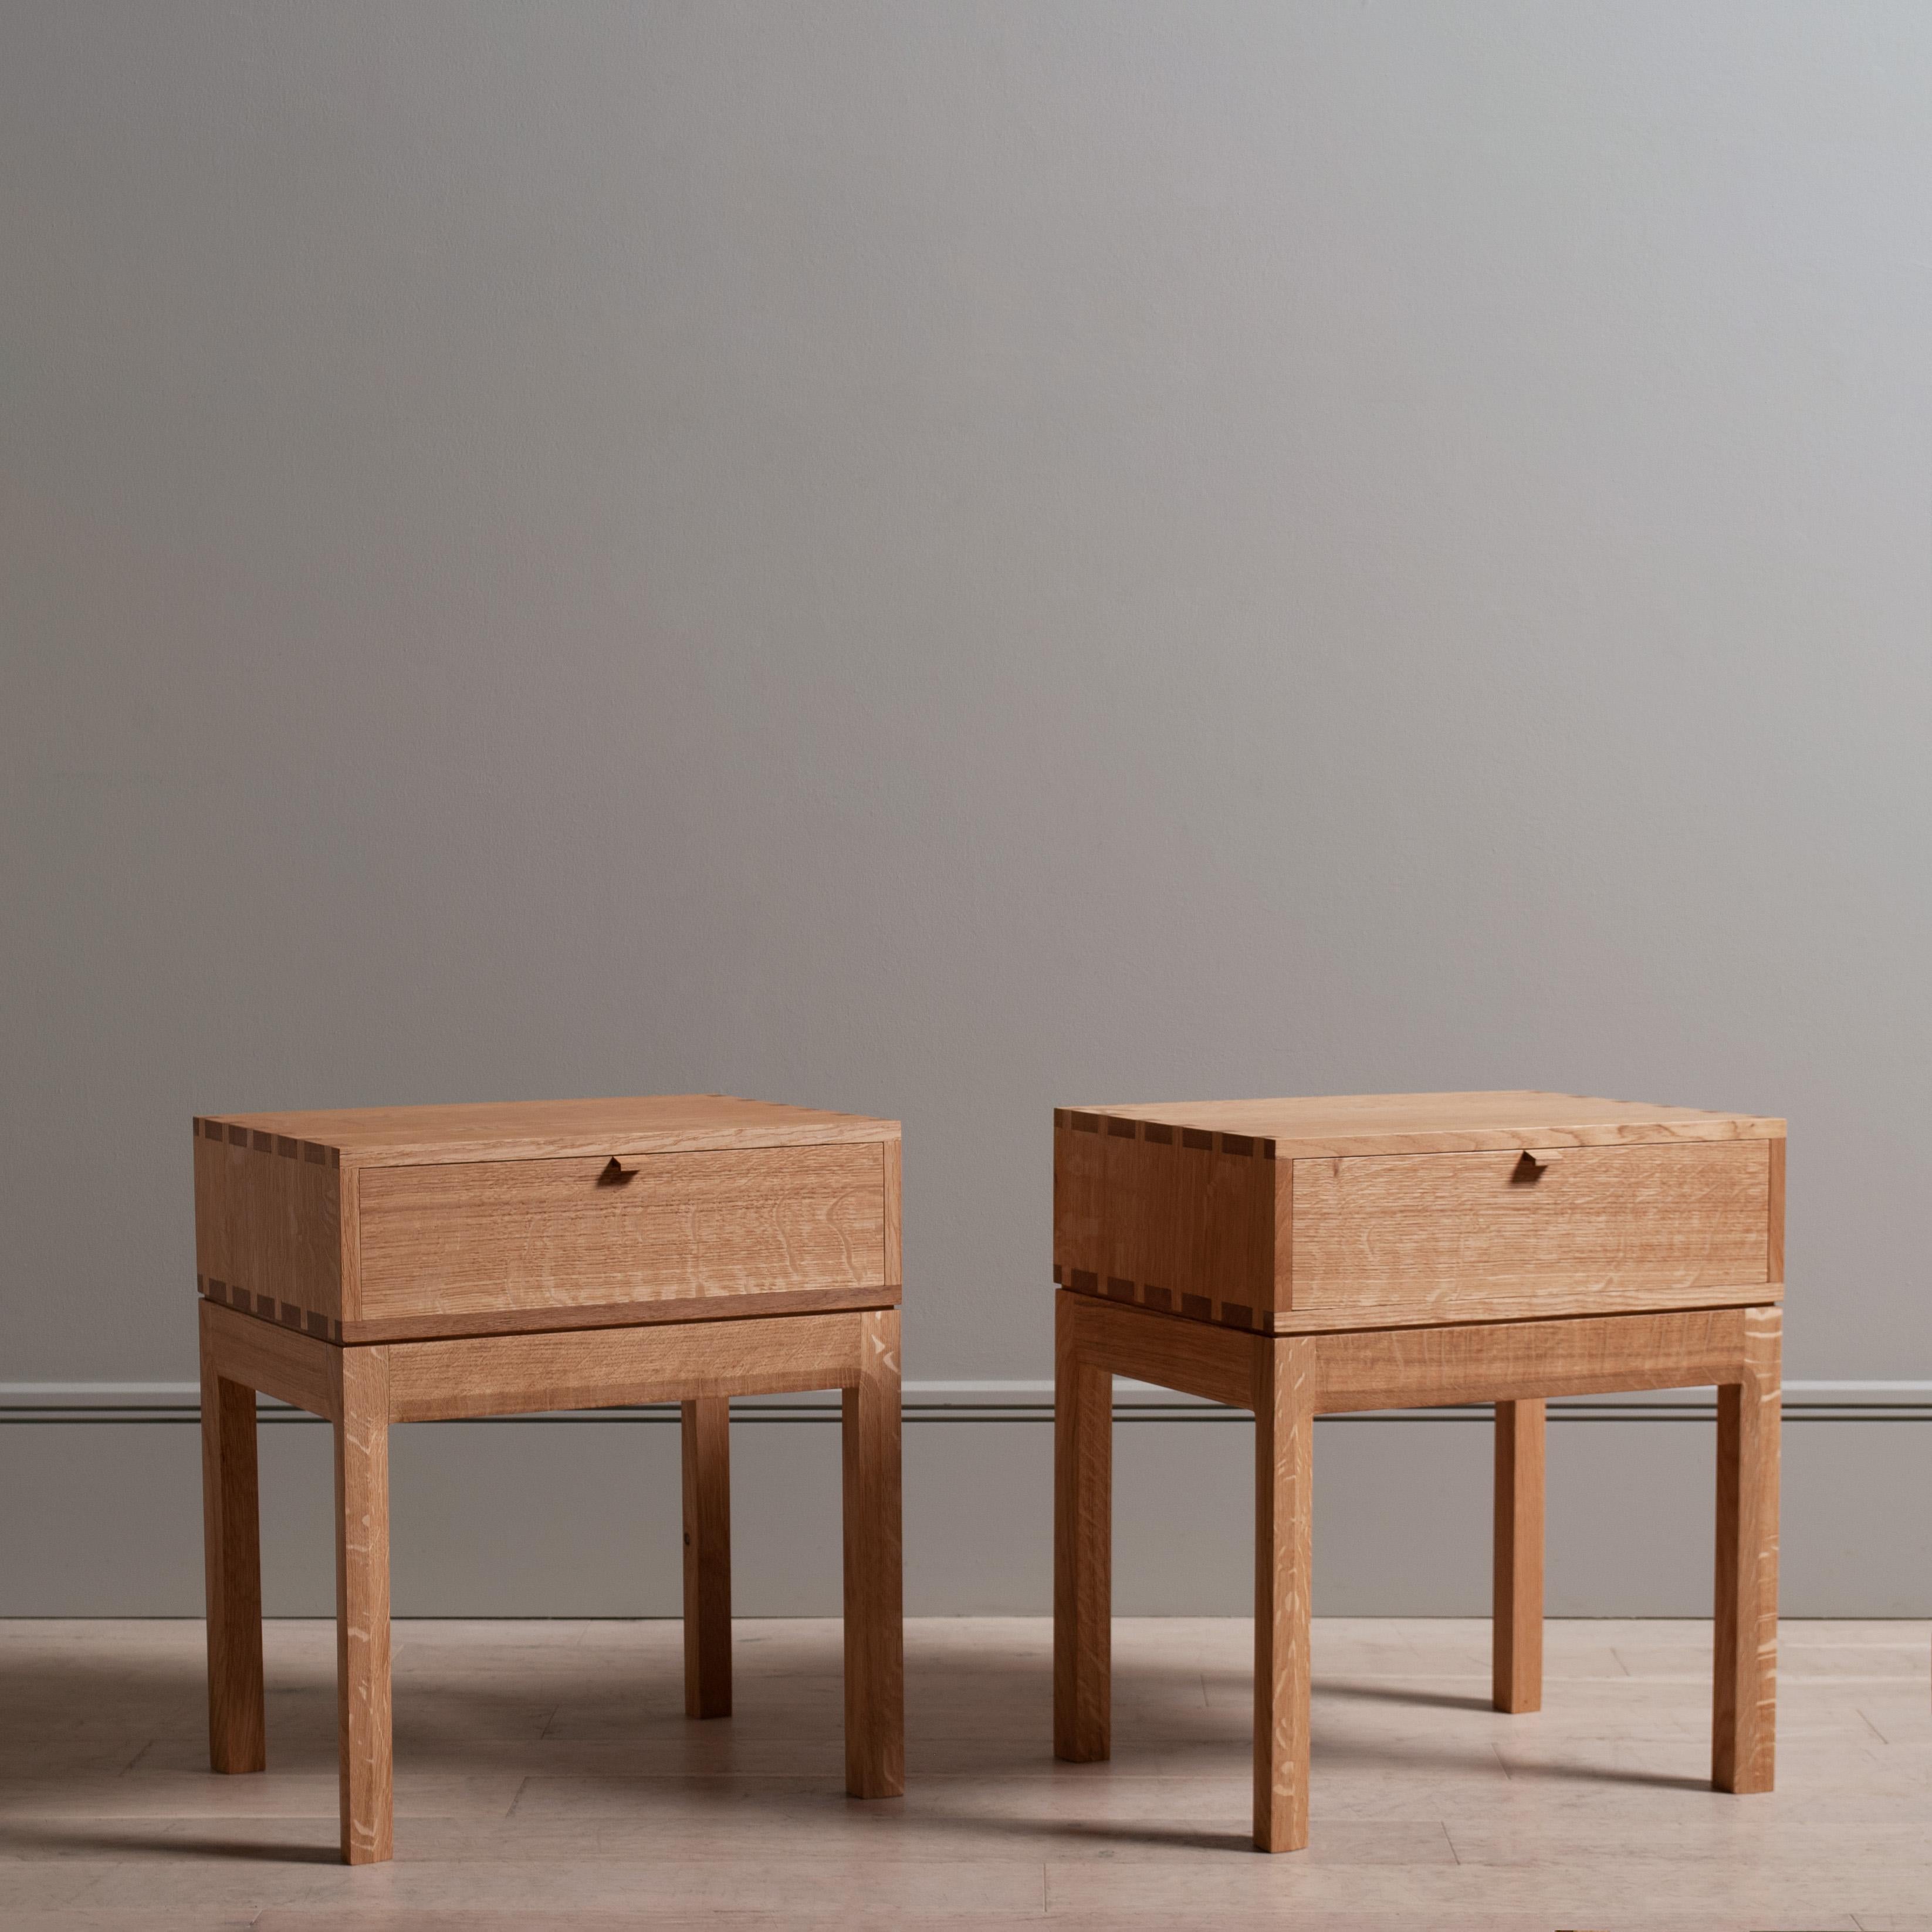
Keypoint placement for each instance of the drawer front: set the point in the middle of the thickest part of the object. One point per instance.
(1461, 1236)
(484, 1237)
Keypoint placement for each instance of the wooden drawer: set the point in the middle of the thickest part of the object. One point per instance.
(1463, 1236)
(1367, 1210)
(386, 1223)
(490, 1236)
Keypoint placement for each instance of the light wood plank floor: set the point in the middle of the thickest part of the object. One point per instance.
(546, 1776)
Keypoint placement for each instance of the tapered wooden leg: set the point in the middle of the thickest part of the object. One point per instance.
(707, 1557)
(362, 1604)
(1744, 1703)
(232, 1553)
(1083, 1547)
(1284, 1518)
(875, 1581)
(1516, 1635)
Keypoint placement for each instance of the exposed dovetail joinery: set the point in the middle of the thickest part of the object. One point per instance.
(1164, 1301)
(1176, 1218)
(285, 1148)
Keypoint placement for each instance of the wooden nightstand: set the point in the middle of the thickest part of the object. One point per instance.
(408, 1264)
(1302, 1257)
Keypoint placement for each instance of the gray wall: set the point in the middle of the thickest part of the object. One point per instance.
(938, 559)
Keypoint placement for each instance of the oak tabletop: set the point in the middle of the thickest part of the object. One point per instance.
(1359, 1123)
(556, 1129)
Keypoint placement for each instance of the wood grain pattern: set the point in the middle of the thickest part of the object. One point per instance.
(1504, 1361)
(1079, 1178)
(267, 1225)
(874, 1568)
(893, 1273)
(562, 1129)
(231, 1554)
(1744, 1714)
(509, 1375)
(1083, 1543)
(480, 1237)
(1288, 1380)
(701, 1364)
(706, 1447)
(1368, 1124)
(262, 1354)
(1438, 1231)
(1774, 1268)
(1204, 1210)
(1213, 1363)
(1176, 1220)
(761, 1303)
(1516, 1598)
(1471, 1305)
(605, 1230)
(1283, 1401)
(362, 1603)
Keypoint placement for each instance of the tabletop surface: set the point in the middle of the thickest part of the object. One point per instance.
(553, 1130)
(1361, 1123)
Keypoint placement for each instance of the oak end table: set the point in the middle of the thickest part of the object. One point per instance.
(1307, 1257)
(412, 1263)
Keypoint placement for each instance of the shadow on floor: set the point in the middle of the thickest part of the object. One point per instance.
(1396, 1693)
(80, 1718)
(93, 1842)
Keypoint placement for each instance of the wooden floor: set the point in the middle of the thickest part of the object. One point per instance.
(546, 1777)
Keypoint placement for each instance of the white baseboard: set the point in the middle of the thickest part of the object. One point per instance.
(577, 1515)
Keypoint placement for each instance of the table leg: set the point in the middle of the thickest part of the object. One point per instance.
(875, 1570)
(707, 1436)
(1083, 1547)
(1284, 1462)
(231, 1553)
(362, 1604)
(1743, 1704)
(1517, 1634)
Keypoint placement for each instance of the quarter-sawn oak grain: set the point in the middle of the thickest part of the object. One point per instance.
(1516, 1674)
(380, 1224)
(485, 1237)
(1302, 1258)
(705, 1445)
(1289, 1217)
(396, 1265)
